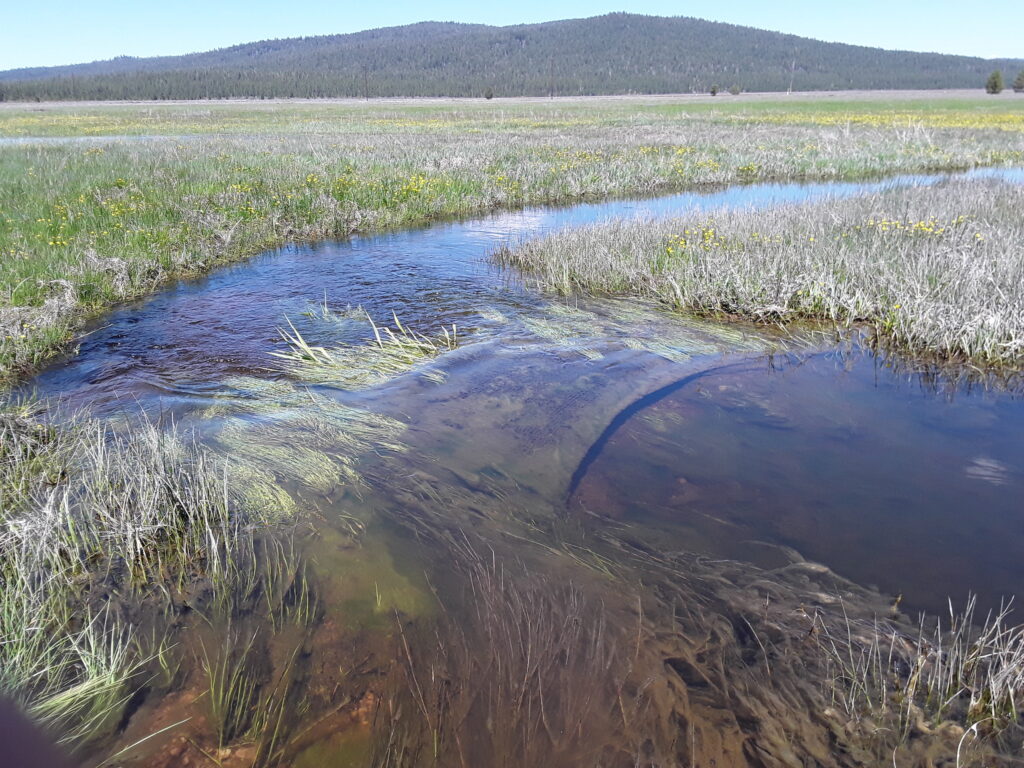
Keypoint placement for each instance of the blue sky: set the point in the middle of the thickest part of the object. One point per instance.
(46, 32)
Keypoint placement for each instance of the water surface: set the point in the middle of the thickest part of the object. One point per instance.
(846, 461)
(565, 442)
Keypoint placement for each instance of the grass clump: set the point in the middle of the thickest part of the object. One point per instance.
(966, 673)
(934, 269)
(388, 354)
(246, 707)
(233, 688)
(95, 524)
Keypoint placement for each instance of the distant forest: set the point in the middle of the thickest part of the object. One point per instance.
(613, 54)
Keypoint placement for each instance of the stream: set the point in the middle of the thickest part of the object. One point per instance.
(733, 442)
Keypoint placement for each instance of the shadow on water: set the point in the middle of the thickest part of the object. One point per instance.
(623, 417)
(887, 478)
(727, 500)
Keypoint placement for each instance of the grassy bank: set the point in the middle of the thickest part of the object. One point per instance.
(107, 537)
(935, 269)
(88, 222)
(104, 538)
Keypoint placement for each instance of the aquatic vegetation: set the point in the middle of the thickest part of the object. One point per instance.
(963, 673)
(389, 353)
(86, 224)
(233, 688)
(941, 278)
(70, 673)
(491, 315)
(567, 327)
(298, 437)
(86, 512)
(707, 658)
(634, 325)
(263, 489)
(475, 697)
(243, 706)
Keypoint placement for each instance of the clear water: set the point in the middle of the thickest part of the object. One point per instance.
(731, 441)
(865, 469)
(889, 481)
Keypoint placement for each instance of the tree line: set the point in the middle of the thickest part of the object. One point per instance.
(617, 53)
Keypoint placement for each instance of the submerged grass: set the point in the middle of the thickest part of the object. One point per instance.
(966, 673)
(634, 325)
(934, 269)
(710, 661)
(92, 523)
(233, 688)
(245, 706)
(519, 681)
(389, 353)
(297, 438)
(84, 224)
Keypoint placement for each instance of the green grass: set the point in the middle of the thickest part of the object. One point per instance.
(94, 526)
(386, 354)
(506, 115)
(85, 224)
(937, 270)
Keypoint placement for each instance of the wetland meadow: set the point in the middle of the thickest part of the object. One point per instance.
(613, 431)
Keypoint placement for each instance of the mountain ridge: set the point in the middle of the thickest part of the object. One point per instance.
(610, 54)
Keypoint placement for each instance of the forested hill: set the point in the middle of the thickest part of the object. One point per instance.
(617, 53)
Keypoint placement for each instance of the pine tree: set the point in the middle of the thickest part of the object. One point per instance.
(1018, 84)
(994, 84)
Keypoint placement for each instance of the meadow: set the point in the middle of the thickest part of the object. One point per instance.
(934, 270)
(119, 199)
(123, 550)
